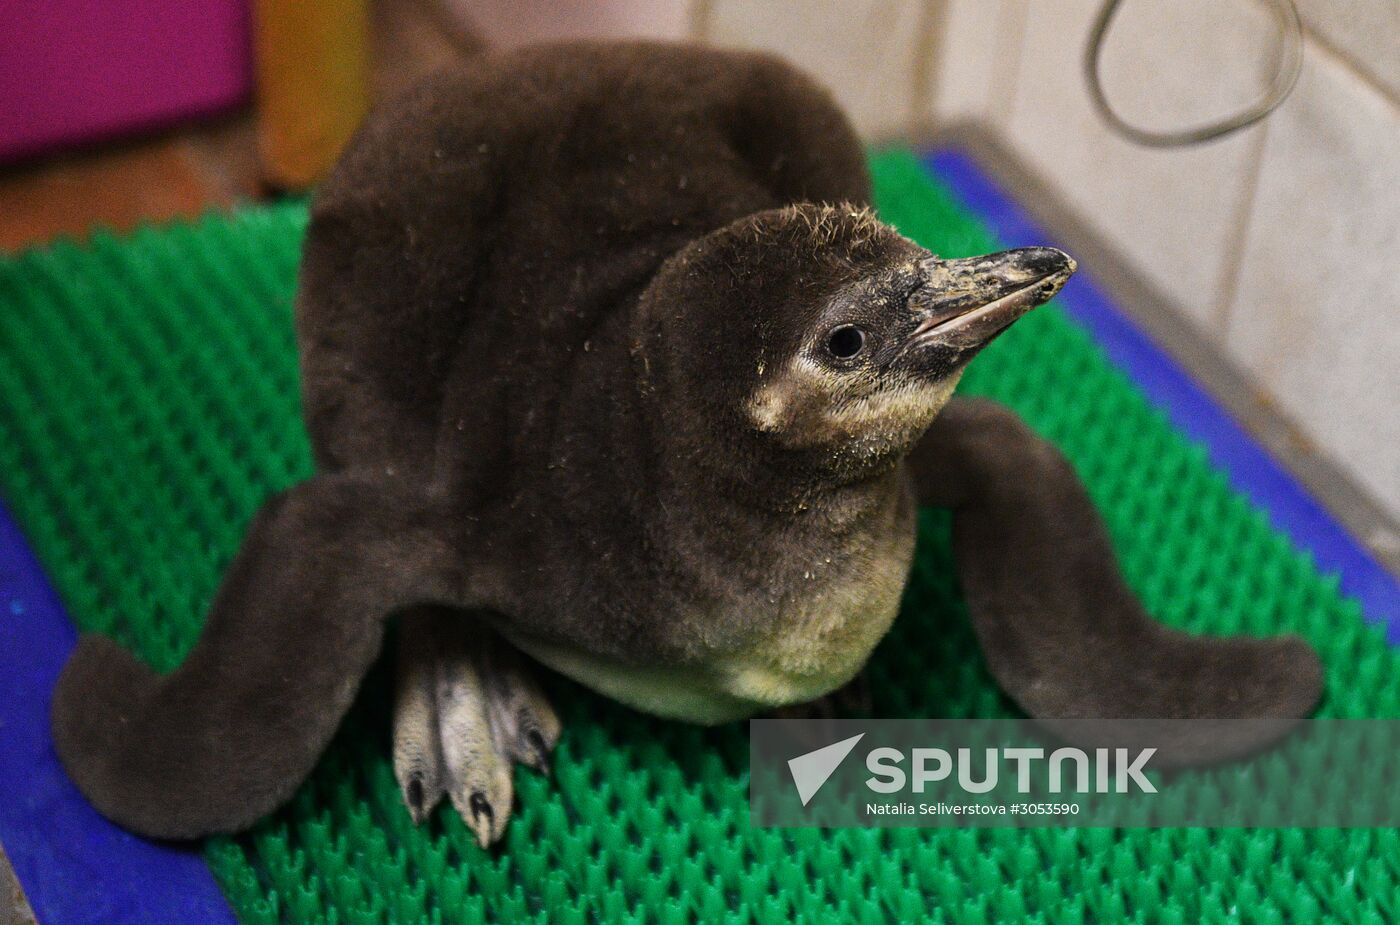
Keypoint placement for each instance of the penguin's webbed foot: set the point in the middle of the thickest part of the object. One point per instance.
(466, 710)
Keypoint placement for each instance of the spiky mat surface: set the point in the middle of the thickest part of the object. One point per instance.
(148, 402)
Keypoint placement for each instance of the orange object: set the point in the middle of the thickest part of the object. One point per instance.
(313, 64)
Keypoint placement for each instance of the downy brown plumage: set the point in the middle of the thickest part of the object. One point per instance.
(606, 359)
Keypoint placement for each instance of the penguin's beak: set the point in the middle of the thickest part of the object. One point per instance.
(964, 304)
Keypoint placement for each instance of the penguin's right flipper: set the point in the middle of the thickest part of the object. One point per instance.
(1061, 631)
(229, 735)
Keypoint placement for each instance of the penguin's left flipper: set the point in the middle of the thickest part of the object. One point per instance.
(230, 734)
(1061, 631)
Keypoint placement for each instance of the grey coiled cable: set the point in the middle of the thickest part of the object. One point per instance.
(1290, 64)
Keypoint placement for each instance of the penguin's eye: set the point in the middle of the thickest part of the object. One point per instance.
(845, 342)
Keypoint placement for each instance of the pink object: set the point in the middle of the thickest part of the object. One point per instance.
(73, 71)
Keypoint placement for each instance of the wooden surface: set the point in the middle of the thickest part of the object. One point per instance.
(14, 910)
(211, 165)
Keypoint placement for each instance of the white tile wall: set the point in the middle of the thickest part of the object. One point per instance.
(1175, 214)
(1366, 31)
(1316, 317)
(979, 48)
(864, 50)
(508, 23)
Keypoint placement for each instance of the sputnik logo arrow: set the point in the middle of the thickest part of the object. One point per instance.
(813, 769)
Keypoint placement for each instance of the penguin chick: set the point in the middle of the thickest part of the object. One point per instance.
(607, 361)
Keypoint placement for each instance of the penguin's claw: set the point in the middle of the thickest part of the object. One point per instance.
(417, 751)
(482, 819)
(466, 711)
(526, 726)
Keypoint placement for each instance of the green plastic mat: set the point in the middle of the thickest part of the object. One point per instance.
(148, 402)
